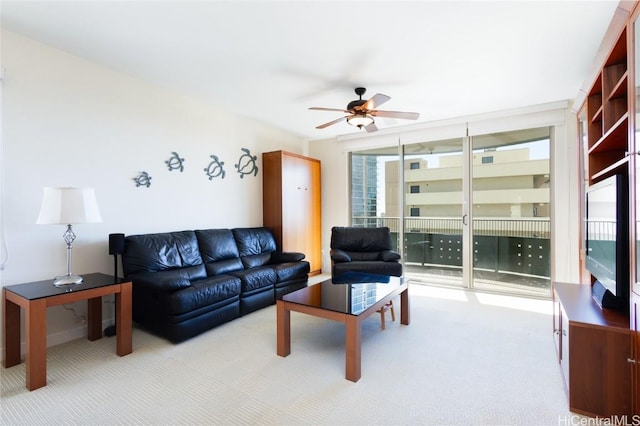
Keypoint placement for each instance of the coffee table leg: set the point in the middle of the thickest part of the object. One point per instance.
(36, 336)
(124, 345)
(353, 344)
(11, 332)
(283, 329)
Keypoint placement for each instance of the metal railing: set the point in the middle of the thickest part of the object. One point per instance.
(510, 245)
(504, 226)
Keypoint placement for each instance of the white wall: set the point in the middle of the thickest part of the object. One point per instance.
(336, 193)
(70, 122)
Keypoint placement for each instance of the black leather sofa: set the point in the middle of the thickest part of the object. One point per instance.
(187, 282)
(367, 250)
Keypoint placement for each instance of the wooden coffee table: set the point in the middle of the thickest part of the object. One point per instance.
(349, 299)
(36, 297)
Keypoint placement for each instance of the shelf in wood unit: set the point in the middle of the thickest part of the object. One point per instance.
(614, 139)
(619, 165)
(597, 115)
(620, 89)
(594, 103)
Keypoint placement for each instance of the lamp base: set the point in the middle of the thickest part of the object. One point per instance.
(64, 280)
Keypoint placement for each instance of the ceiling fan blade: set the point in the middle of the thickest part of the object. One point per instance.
(395, 114)
(331, 123)
(329, 109)
(371, 128)
(377, 100)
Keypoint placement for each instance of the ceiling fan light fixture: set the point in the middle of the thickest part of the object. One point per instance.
(360, 120)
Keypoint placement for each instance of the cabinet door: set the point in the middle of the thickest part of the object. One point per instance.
(634, 360)
(557, 325)
(315, 218)
(301, 208)
(564, 349)
(295, 210)
(634, 160)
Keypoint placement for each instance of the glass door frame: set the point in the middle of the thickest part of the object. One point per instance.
(468, 152)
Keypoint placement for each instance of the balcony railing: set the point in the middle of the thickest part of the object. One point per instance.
(507, 227)
(504, 245)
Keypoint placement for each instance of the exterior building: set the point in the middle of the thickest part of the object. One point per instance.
(506, 184)
(364, 190)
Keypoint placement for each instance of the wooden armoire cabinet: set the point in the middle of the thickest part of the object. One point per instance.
(291, 204)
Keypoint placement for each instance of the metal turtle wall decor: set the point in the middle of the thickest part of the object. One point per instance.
(215, 168)
(143, 179)
(247, 164)
(175, 162)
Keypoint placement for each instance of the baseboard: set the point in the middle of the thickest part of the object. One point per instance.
(64, 336)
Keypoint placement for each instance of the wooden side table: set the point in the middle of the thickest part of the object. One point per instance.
(36, 297)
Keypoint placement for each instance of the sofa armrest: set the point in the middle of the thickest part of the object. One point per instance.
(390, 255)
(286, 257)
(339, 256)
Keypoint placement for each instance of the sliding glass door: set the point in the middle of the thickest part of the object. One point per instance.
(511, 211)
(433, 215)
(467, 211)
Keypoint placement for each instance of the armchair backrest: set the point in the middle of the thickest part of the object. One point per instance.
(361, 240)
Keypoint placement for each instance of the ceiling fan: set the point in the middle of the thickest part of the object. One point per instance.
(361, 112)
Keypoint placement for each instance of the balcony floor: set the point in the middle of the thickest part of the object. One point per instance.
(500, 282)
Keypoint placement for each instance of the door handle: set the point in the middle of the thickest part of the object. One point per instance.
(464, 219)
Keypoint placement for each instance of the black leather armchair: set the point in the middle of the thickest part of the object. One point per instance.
(363, 250)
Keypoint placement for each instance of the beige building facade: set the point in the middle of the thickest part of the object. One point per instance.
(506, 184)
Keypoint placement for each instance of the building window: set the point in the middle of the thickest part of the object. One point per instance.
(415, 211)
(414, 165)
(487, 160)
(414, 189)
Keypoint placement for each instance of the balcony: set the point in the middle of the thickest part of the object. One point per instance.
(509, 254)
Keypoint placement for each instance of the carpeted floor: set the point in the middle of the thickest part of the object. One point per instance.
(467, 358)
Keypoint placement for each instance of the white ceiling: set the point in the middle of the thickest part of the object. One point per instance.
(271, 60)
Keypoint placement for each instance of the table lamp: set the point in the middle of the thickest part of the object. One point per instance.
(68, 206)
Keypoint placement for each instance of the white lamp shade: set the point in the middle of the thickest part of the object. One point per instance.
(68, 206)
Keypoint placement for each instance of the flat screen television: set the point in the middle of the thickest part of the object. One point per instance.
(607, 240)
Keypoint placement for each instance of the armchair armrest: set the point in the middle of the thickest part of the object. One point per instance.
(286, 256)
(338, 255)
(390, 255)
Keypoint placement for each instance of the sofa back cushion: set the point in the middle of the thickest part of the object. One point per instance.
(219, 251)
(160, 252)
(255, 245)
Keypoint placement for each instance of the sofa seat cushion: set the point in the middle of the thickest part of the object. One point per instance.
(291, 271)
(203, 292)
(171, 280)
(286, 256)
(256, 279)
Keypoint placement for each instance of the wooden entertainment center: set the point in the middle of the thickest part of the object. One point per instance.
(598, 348)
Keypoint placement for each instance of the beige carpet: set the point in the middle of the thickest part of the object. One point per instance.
(467, 358)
